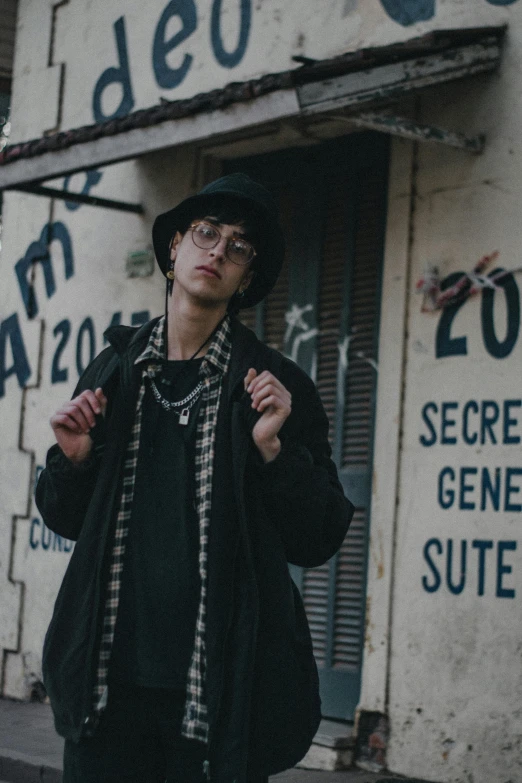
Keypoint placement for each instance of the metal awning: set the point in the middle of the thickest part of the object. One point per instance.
(358, 84)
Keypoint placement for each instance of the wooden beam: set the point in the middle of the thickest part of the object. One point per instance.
(354, 91)
(140, 141)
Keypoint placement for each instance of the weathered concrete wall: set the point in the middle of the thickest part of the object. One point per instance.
(455, 681)
(119, 57)
(443, 664)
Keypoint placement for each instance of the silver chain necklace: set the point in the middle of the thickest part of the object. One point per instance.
(185, 404)
(191, 399)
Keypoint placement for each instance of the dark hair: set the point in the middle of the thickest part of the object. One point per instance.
(234, 212)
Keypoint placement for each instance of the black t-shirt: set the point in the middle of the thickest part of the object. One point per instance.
(155, 627)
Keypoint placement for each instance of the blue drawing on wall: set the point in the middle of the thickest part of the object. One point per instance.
(491, 577)
(10, 331)
(41, 537)
(407, 12)
(224, 58)
(501, 2)
(115, 75)
(38, 252)
(166, 76)
(92, 178)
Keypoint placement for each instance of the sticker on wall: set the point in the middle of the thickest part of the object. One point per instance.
(140, 263)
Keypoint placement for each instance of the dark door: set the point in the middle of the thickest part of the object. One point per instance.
(324, 314)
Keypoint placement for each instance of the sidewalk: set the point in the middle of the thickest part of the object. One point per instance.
(31, 751)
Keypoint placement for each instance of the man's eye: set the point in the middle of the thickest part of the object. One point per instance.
(237, 246)
(207, 231)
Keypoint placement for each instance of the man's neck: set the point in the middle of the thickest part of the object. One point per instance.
(190, 327)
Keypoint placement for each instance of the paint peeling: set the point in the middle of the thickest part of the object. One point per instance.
(378, 557)
(372, 741)
(368, 627)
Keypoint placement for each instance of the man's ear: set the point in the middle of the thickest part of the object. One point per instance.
(246, 281)
(174, 242)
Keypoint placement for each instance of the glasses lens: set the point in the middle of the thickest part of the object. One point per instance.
(239, 251)
(205, 235)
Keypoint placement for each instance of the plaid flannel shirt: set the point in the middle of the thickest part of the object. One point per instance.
(213, 368)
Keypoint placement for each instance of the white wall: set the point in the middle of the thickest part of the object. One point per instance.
(455, 681)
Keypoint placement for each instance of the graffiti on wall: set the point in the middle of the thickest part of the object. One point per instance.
(408, 12)
(167, 77)
(470, 424)
(472, 488)
(184, 15)
(85, 338)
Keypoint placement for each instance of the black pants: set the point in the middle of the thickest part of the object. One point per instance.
(138, 741)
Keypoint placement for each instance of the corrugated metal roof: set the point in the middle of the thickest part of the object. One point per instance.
(238, 92)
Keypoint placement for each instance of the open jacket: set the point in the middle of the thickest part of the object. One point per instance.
(262, 688)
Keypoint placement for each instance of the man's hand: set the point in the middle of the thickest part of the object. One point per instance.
(270, 398)
(73, 422)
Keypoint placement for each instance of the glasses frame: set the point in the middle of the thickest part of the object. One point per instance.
(197, 223)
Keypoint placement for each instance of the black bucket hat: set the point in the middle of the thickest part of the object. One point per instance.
(261, 207)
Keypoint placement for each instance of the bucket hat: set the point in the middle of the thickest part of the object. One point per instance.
(260, 205)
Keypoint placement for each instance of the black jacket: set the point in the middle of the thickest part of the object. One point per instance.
(262, 685)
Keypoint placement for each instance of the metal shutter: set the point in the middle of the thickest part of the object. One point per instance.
(335, 196)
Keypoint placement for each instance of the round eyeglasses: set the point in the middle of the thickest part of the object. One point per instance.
(206, 236)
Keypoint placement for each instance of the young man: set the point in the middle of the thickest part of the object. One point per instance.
(191, 466)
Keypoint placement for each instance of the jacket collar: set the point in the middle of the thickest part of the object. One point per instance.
(216, 358)
(130, 338)
(247, 350)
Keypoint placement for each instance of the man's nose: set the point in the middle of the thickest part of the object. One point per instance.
(219, 251)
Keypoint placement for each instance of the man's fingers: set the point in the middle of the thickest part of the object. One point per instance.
(85, 404)
(283, 397)
(270, 401)
(102, 399)
(66, 422)
(250, 376)
(263, 379)
(75, 412)
(79, 414)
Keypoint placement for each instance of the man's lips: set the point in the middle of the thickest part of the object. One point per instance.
(209, 270)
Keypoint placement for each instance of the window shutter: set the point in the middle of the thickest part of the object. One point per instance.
(347, 180)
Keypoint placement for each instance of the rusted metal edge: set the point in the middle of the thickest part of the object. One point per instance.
(393, 80)
(234, 93)
(400, 126)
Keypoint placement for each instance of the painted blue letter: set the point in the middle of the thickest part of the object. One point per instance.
(10, 330)
(39, 251)
(408, 12)
(166, 76)
(482, 546)
(446, 496)
(433, 434)
(456, 589)
(224, 58)
(113, 75)
(504, 592)
(436, 575)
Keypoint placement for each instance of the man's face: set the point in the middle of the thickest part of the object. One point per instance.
(207, 274)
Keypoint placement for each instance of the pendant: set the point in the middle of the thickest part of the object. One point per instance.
(184, 416)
